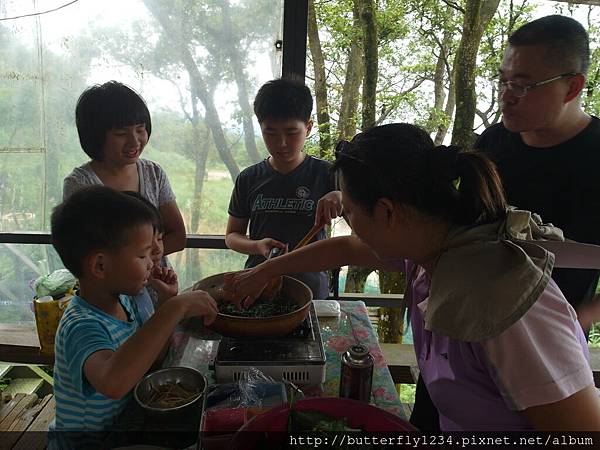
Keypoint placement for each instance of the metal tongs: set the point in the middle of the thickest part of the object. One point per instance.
(276, 251)
(293, 388)
(274, 286)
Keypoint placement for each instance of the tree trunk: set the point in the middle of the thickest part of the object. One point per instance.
(193, 265)
(356, 279)
(53, 184)
(354, 75)
(357, 276)
(439, 93)
(370, 45)
(449, 110)
(390, 326)
(197, 83)
(323, 120)
(230, 42)
(477, 15)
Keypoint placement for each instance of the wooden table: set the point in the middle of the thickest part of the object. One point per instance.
(24, 422)
(19, 343)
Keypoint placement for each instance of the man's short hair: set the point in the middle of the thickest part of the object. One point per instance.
(101, 108)
(283, 99)
(96, 218)
(566, 40)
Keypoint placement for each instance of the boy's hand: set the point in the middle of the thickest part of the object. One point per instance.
(265, 245)
(328, 208)
(198, 304)
(164, 281)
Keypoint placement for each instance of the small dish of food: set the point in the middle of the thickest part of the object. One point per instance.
(170, 390)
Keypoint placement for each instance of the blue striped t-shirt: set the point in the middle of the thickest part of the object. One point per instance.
(83, 330)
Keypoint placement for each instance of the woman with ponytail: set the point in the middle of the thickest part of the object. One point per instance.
(498, 346)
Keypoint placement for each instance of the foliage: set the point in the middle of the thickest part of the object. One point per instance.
(4, 382)
(407, 393)
(594, 336)
(413, 34)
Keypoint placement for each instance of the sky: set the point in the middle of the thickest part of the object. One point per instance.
(58, 29)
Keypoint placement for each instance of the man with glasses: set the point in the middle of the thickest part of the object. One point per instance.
(547, 149)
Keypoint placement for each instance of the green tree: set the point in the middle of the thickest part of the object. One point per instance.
(476, 16)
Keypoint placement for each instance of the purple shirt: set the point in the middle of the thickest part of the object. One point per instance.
(542, 358)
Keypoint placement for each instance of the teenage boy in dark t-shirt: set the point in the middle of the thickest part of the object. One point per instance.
(277, 198)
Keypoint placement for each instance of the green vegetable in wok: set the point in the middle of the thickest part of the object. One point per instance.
(261, 308)
(319, 424)
(315, 424)
(315, 421)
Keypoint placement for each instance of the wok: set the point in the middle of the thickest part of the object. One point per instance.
(235, 326)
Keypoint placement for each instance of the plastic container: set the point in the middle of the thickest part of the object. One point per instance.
(227, 407)
(327, 308)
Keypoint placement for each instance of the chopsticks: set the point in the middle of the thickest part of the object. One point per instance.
(309, 236)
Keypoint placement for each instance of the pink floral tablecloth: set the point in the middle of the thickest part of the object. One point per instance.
(338, 334)
(198, 349)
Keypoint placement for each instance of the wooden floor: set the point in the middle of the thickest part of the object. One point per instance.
(24, 422)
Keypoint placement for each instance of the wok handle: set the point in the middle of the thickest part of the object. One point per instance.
(311, 234)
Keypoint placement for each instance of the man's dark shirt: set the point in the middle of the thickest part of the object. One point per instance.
(561, 184)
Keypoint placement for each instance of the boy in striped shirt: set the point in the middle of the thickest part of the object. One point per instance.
(102, 347)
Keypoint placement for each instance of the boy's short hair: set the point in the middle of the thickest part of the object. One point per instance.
(283, 99)
(102, 107)
(566, 41)
(96, 218)
(157, 223)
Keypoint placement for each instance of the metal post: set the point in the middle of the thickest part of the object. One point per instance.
(295, 20)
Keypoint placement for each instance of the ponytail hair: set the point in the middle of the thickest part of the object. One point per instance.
(400, 162)
(480, 194)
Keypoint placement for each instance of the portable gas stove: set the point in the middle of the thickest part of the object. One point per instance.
(298, 357)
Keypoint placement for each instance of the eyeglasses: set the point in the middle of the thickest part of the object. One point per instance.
(519, 91)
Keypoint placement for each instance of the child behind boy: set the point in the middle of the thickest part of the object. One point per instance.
(103, 348)
(277, 198)
(152, 294)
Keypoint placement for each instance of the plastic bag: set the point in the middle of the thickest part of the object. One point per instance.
(256, 388)
(55, 284)
(227, 407)
(47, 317)
(253, 389)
